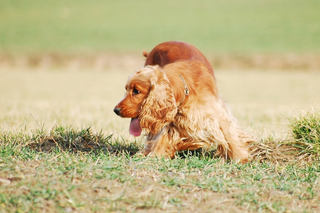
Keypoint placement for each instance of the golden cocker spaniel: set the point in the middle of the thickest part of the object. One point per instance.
(178, 106)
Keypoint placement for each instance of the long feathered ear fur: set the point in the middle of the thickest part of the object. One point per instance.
(160, 107)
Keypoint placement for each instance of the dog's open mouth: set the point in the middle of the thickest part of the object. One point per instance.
(135, 128)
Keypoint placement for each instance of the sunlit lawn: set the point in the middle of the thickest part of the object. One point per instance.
(32, 99)
(36, 101)
(64, 65)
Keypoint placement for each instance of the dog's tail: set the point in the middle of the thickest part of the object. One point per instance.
(145, 53)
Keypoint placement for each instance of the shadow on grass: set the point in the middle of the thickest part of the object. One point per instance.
(304, 142)
(84, 140)
(200, 153)
(70, 140)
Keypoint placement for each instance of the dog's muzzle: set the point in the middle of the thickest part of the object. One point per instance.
(117, 110)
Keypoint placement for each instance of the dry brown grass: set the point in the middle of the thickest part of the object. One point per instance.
(128, 61)
(276, 151)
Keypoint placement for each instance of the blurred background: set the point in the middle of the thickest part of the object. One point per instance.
(264, 34)
(266, 55)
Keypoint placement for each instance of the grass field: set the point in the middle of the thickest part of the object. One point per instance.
(63, 67)
(86, 98)
(230, 27)
(51, 162)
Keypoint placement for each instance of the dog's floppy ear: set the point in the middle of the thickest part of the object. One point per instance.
(160, 107)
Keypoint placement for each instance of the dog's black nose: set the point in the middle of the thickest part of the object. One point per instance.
(117, 110)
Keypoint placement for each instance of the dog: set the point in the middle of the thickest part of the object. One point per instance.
(175, 100)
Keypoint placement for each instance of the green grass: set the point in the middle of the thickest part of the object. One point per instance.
(63, 149)
(242, 27)
(306, 130)
(98, 180)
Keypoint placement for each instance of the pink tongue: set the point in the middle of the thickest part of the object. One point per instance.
(135, 128)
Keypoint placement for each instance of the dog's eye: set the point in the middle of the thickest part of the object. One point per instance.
(135, 91)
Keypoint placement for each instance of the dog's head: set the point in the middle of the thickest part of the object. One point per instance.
(149, 101)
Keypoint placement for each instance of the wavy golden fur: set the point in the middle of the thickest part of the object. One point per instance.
(173, 120)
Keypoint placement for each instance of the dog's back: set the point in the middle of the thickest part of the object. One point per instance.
(173, 51)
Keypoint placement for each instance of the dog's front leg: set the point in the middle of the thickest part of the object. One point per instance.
(160, 145)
